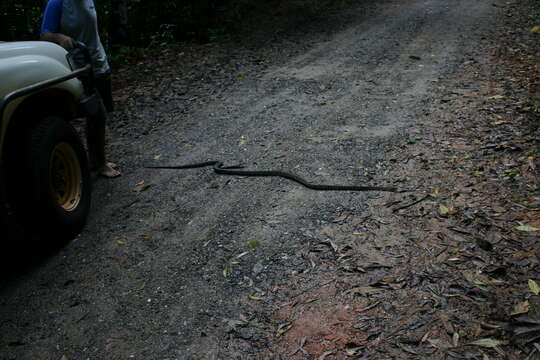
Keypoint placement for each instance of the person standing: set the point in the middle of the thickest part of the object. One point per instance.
(63, 22)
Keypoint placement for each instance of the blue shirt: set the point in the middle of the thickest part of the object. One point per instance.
(78, 20)
(52, 17)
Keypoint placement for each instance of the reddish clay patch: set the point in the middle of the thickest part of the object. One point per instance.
(320, 323)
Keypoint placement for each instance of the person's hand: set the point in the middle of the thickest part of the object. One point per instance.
(65, 41)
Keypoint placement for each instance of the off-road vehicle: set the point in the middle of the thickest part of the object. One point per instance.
(45, 185)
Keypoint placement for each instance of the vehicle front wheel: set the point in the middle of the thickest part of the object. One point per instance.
(56, 202)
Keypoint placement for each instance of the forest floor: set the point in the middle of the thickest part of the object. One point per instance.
(440, 99)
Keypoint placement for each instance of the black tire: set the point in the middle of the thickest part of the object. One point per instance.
(56, 202)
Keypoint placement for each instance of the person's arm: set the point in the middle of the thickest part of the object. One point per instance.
(51, 25)
(63, 40)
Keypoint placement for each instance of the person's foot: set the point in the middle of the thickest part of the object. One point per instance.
(108, 170)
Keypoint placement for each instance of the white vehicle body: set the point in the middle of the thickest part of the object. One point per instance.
(27, 63)
(45, 186)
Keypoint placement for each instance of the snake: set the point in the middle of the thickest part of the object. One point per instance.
(219, 168)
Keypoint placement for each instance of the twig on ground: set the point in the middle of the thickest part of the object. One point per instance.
(311, 288)
(411, 204)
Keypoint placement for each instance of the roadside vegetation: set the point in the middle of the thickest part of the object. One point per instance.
(141, 23)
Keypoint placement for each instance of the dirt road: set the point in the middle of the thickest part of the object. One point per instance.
(189, 264)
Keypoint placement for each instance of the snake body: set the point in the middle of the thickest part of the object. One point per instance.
(219, 168)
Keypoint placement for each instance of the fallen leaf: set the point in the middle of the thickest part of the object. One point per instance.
(64, 357)
(142, 186)
(414, 141)
(500, 122)
(253, 244)
(455, 339)
(536, 29)
(341, 218)
(480, 282)
(144, 237)
(487, 342)
(527, 228)
(498, 209)
(283, 328)
(533, 286)
(520, 308)
(255, 298)
(472, 277)
(443, 210)
(496, 97)
(226, 272)
(468, 275)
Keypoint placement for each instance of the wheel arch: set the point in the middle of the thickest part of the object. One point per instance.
(51, 102)
(50, 201)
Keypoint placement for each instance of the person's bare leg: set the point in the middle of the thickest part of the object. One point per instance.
(95, 137)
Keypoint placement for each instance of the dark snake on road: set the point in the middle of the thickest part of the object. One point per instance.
(219, 168)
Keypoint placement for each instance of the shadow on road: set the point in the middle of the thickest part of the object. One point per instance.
(23, 256)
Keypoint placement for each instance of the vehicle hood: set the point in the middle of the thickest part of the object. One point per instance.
(29, 62)
(41, 48)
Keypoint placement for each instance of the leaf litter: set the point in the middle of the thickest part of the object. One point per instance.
(463, 251)
(442, 293)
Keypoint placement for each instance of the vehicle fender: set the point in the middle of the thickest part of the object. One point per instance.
(40, 60)
(21, 71)
(25, 70)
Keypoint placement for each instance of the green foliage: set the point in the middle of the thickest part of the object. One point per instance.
(151, 22)
(217, 35)
(20, 19)
(126, 54)
(165, 34)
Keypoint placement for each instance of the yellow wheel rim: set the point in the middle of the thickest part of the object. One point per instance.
(65, 175)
